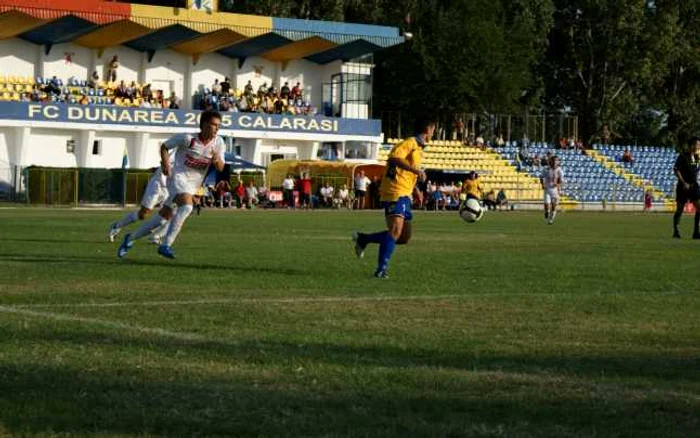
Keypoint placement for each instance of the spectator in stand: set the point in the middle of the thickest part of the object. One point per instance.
(627, 157)
(502, 199)
(226, 86)
(288, 191)
(490, 200)
(535, 160)
(524, 154)
(296, 91)
(480, 143)
(374, 192)
(224, 104)
(112, 68)
(262, 90)
(251, 195)
(648, 199)
(94, 80)
(53, 87)
(146, 92)
(272, 91)
(263, 195)
(132, 90)
(223, 193)
(342, 198)
(285, 91)
(361, 183)
(438, 201)
(305, 191)
(216, 88)
(327, 195)
(173, 101)
(121, 90)
(248, 90)
(239, 193)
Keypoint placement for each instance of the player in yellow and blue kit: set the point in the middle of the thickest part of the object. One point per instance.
(397, 186)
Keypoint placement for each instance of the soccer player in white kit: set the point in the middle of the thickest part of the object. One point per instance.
(552, 178)
(193, 156)
(156, 194)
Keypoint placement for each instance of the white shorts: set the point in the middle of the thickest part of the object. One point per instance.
(179, 184)
(551, 196)
(154, 195)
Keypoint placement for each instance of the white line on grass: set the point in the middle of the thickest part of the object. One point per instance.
(339, 299)
(183, 336)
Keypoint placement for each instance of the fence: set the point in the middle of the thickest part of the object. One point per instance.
(469, 126)
(52, 186)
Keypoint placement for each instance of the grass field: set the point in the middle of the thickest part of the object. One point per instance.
(266, 325)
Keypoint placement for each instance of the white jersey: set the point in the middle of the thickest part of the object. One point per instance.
(550, 177)
(192, 161)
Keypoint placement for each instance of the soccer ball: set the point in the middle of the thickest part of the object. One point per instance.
(471, 211)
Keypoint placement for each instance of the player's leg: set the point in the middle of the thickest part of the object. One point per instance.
(184, 209)
(406, 233)
(696, 228)
(154, 222)
(681, 200)
(547, 203)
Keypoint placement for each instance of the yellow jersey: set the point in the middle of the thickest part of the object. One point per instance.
(398, 182)
(473, 187)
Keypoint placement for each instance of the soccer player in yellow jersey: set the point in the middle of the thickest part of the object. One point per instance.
(472, 187)
(398, 184)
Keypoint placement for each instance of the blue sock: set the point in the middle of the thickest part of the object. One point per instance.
(386, 249)
(372, 238)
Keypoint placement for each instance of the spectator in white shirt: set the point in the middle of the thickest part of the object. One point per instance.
(288, 191)
(251, 195)
(361, 183)
(342, 198)
(216, 88)
(327, 195)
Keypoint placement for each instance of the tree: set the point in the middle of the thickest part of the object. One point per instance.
(598, 61)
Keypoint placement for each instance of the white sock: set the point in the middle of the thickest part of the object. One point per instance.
(130, 218)
(181, 215)
(160, 231)
(151, 224)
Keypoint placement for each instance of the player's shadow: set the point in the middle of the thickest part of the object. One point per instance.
(262, 389)
(100, 259)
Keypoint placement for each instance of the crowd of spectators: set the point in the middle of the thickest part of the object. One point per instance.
(267, 99)
(90, 92)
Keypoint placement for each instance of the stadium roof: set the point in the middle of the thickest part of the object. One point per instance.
(100, 24)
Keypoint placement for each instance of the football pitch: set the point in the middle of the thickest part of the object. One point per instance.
(267, 325)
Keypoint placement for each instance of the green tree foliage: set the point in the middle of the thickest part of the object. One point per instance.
(628, 67)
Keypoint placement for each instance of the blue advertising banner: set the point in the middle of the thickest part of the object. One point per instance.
(114, 115)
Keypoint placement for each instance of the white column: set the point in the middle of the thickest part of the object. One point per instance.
(256, 155)
(39, 64)
(83, 148)
(142, 68)
(186, 98)
(19, 146)
(137, 150)
(315, 146)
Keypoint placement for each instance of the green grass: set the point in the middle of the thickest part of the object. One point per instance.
(266, 325)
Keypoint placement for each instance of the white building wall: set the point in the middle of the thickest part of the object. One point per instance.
(111, 149)
(18, 58)
(309, 75)
(268, 73)
(47, 147)
(152, 154)
(209, 68)
(129, 63)
(167, 72)
(57, 62)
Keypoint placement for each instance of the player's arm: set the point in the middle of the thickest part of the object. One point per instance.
(680, 178)
(218, 159)
(165, 159)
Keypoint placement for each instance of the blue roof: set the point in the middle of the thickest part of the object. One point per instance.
(61, 30)
(255, 45)
(344, 52)
(163, 38)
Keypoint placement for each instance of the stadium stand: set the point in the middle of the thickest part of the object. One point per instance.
(587, 179)
(652, 164)
(495, 171)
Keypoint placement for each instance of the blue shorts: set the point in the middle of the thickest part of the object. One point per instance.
(402, 208)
